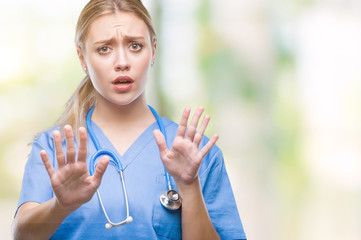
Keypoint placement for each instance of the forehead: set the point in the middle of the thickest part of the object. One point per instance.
(111, 25)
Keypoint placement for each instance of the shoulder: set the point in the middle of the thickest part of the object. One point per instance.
(45, 138)
(169, 125)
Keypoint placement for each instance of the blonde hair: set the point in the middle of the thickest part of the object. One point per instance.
(84, 97)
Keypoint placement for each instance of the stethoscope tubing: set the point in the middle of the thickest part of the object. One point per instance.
(111, 224)
(114, 159)
(162, 130)
(171, 204)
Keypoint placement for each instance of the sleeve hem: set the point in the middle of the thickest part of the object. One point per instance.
(20, 204)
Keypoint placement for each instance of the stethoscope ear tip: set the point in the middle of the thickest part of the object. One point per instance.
(108, 226)
(129, 219)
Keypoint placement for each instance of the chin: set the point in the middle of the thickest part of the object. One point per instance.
(124, 101)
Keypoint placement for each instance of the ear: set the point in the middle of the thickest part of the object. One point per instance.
(81, 57)
(153, 50)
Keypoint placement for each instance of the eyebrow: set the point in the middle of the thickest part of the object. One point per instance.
(126, 37)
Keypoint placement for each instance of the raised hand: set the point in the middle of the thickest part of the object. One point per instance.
(184, 158)
(72, 183)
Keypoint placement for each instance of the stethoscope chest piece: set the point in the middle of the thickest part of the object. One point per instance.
(170, 200)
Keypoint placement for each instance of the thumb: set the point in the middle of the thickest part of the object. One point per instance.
(162, 145)
(100, 169)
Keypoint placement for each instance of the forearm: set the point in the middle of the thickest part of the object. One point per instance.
(39, 222)
(196, 223)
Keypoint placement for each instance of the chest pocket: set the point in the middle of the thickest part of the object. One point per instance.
(167, 223)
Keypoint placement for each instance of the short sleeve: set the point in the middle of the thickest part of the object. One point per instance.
(219, 198)
(36, 185)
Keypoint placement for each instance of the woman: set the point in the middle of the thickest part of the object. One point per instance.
(116, 46)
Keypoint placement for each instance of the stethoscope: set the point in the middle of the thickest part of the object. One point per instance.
(170, 199)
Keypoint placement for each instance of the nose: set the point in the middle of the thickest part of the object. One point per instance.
(121, 62)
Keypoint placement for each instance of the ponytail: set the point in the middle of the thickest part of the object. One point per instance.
(77, 107)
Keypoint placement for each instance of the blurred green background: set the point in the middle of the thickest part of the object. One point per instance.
(281, 80)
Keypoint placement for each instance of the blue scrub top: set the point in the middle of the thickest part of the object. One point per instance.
(145, 181)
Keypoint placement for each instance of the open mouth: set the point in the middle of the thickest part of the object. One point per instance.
(123, 80)
(123, 83)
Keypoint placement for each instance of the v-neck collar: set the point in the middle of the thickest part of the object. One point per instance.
(135, 148)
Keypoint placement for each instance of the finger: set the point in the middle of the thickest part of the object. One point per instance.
(82, 150)
(48, 166)
(70, 148)
(182, 128)
(100, 169)
(60, 158)
(202, 129)
(162, 145)
(209, 145)
(193, 126)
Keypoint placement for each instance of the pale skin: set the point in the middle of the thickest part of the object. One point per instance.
(122, 116)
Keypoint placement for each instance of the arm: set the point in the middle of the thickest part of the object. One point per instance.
(38, 221)
(182, 161)
(196, 223)
(72, 186)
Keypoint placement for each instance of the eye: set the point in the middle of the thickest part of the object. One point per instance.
(103, 50)
(135, 46)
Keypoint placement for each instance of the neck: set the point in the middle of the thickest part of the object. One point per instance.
(113, 115)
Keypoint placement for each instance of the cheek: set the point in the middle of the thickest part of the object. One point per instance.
(144, 72)
(98, 67)
(144, 64)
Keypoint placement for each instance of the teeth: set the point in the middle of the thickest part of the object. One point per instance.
(119, 83)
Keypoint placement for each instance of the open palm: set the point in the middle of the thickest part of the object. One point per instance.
(72, 183)
(184, 158)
